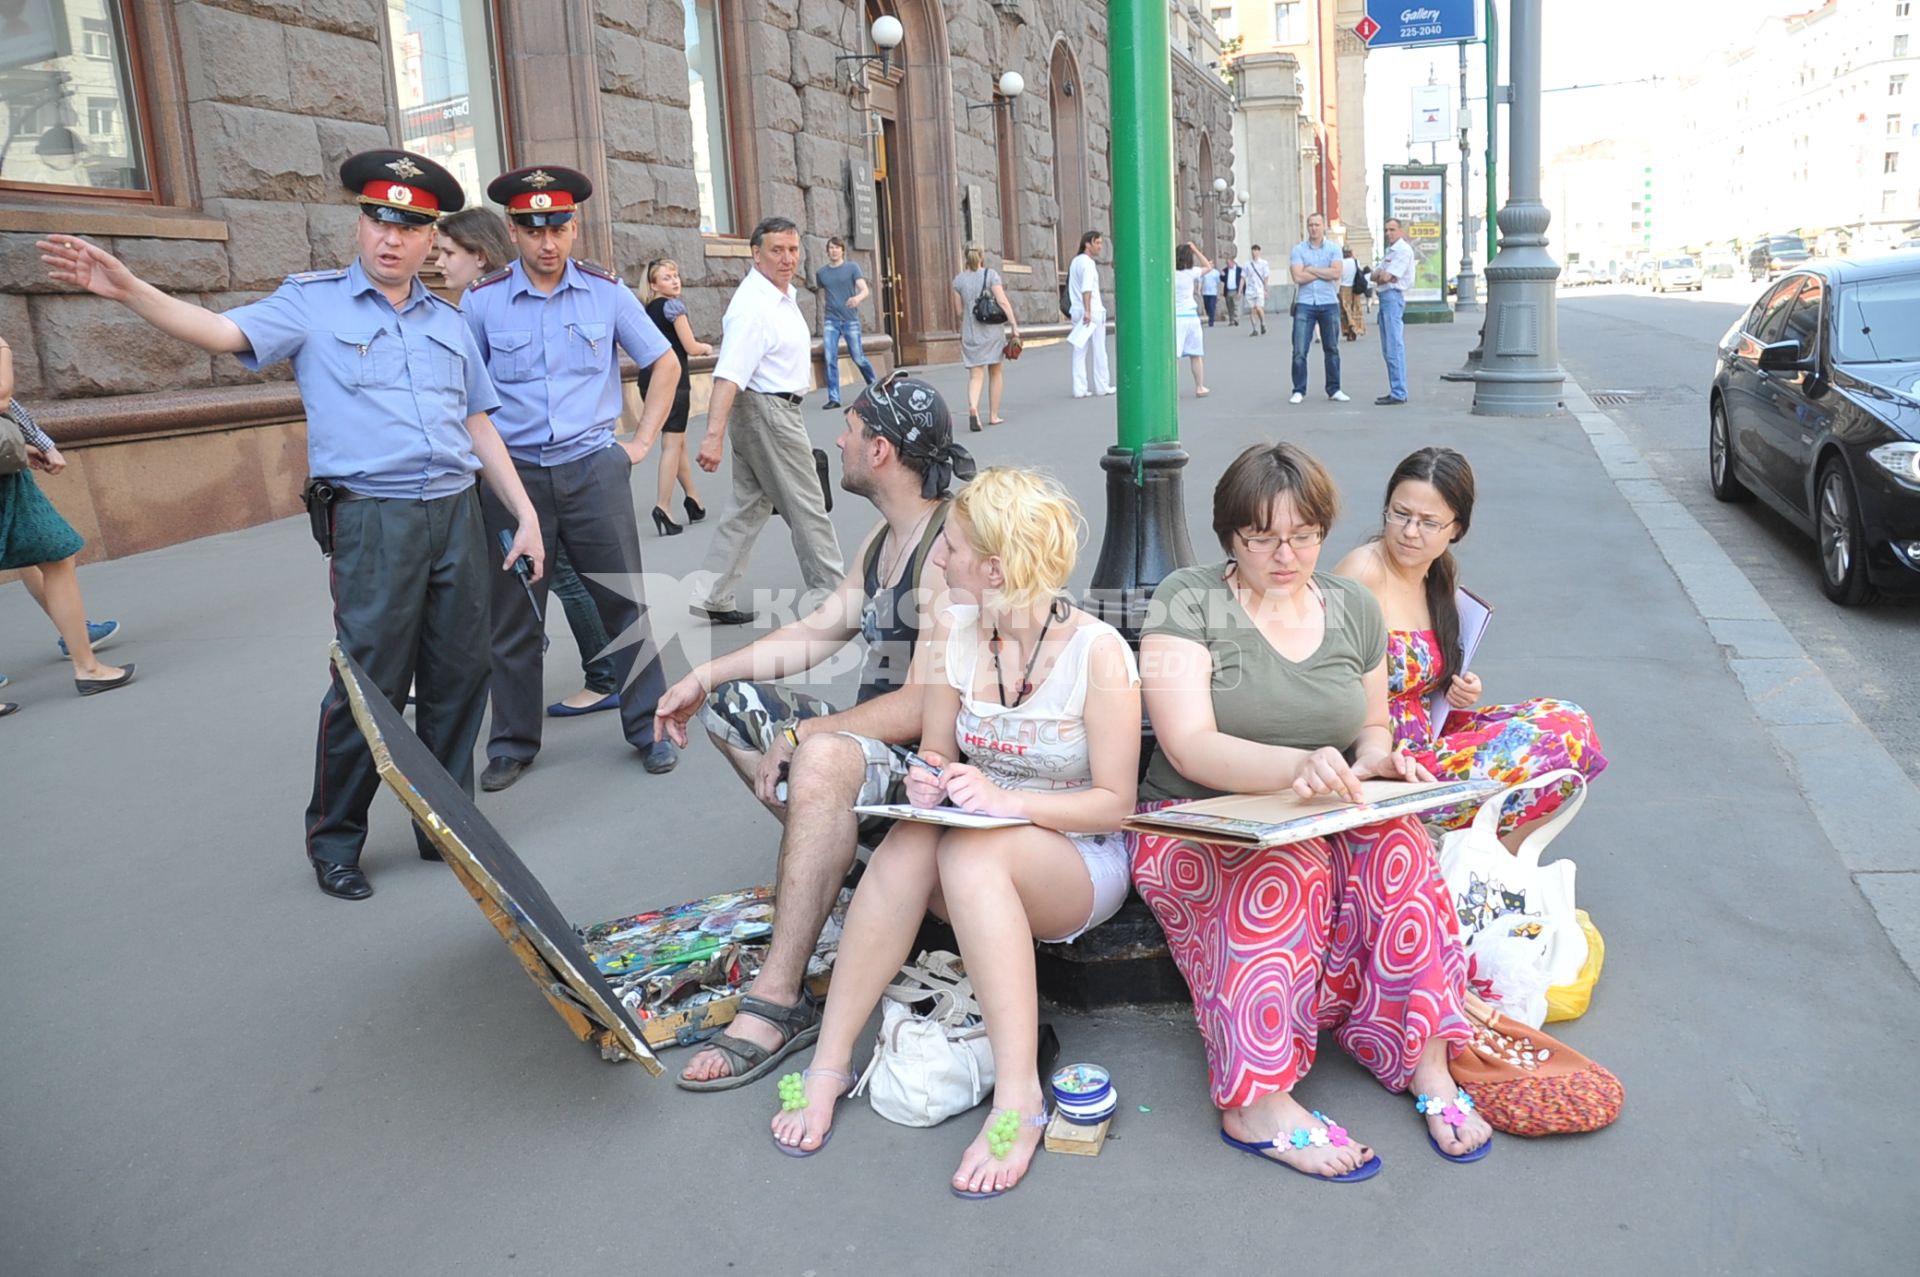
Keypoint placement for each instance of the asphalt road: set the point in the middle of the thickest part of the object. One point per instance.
(1658, 350)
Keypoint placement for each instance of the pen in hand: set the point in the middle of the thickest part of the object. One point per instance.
(912, 759)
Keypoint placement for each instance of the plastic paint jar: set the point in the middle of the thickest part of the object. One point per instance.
(1084, 1094)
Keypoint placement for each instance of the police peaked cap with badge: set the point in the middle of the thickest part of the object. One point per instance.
(910, 414)
(543, 195)
(401, 188)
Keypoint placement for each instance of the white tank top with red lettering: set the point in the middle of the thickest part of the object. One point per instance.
(1041, 744)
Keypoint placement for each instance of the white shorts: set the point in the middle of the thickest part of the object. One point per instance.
(1257, 297)
(1111, 869)
(1186, 337)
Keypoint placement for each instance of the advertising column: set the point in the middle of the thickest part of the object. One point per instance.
(1416, 194)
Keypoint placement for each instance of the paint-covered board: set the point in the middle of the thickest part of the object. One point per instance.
(507, 892)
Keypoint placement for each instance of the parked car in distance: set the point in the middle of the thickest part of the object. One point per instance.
(1676, 273)
(1815, 408)
(1578, 274)
(1772, 254)
(1719, 264)
(1644, 268)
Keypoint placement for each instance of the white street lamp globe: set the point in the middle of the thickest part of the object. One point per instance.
(887, 32)
(1012, 84)
(1219, 186)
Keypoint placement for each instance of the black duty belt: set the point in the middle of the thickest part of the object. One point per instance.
(784, 395)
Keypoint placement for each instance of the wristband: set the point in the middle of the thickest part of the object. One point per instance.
(792, 733)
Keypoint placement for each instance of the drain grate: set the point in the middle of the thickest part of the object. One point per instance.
(1611, 398)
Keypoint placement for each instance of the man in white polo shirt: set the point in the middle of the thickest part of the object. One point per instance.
(764, 369)
(1390, 279)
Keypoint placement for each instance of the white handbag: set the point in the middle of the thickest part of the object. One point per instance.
(1516, 915)
(929, 1065)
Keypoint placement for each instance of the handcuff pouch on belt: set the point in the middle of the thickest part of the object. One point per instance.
(319, 496)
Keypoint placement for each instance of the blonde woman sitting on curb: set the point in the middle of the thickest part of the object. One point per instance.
(1033, 710)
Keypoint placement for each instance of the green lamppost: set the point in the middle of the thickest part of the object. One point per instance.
(1146, 529)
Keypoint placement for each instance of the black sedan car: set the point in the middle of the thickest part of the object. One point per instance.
(1815, 408)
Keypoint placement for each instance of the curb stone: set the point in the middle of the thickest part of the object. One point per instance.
(1862, 799)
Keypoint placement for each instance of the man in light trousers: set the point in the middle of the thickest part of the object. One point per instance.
(764, 369)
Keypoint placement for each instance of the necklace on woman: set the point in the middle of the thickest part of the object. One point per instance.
(1026, 678)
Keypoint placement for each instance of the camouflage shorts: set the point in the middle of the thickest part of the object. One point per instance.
(747, 715)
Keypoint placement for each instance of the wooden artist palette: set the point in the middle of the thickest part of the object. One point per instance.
(500, 883)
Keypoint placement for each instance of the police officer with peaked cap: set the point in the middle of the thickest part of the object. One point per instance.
(551, 330)
(396, 396)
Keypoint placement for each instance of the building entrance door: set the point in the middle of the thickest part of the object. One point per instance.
(887, 258)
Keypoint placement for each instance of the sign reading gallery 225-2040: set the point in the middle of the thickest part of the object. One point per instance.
(1409, 22)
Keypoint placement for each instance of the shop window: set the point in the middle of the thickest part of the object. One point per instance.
(712, 140)
(69, 96)
(444, 76)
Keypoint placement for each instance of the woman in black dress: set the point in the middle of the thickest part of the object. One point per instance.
(669, 315)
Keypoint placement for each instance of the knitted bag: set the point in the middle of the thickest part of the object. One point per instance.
(1527, 1083)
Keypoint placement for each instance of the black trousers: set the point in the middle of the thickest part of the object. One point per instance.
(586, 506)
(409, 582)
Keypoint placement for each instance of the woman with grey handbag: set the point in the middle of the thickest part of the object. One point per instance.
(32, 534)
(985, 316)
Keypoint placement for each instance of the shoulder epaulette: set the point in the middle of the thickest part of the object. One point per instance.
(597, 270)
(492, 277)
(315, 276)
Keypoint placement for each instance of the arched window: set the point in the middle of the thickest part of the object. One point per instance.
(1209, 206)
(1066, 103)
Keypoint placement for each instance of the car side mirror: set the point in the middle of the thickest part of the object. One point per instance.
(1784, 356)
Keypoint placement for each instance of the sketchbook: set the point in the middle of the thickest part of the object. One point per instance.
(1475, 612)
(1273, 820)
(952, 816)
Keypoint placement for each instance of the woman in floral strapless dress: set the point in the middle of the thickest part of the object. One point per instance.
(1411, 570)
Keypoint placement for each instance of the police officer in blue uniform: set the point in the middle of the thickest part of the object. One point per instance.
(551, 330)
(396, 395)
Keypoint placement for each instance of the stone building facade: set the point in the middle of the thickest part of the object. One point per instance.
(694, 118)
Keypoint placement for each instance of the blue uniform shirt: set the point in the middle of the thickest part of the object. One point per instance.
(387, 392)
(1318, 292)
(553, 360)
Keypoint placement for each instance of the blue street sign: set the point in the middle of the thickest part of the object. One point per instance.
(1412, 22)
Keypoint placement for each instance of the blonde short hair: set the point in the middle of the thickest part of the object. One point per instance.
(657, 265)
(1027, 521)
(976, 257)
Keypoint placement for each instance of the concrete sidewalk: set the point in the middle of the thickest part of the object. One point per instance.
(214, 1069)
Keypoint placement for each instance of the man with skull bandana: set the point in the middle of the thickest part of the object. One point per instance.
(807, 762)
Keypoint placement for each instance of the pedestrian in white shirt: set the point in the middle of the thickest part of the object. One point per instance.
(1390, 278)
(1089, 315)
(1259, 270)
(764, 369)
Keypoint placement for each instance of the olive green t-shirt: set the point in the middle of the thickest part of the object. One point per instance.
(1258, 694)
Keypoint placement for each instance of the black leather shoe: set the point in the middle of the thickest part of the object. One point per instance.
(502, 772)
(660, 757)
(723, 616)
(95, 686)
(1388, 401)
(343, 882)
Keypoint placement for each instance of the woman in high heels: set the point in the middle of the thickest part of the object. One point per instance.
(669, 315)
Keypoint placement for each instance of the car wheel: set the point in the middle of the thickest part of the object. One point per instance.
(1843, 562)
(1726, 484)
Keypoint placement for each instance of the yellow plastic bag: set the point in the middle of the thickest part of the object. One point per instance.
(1569, 1001)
